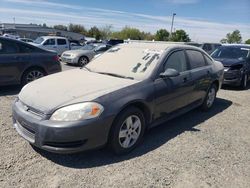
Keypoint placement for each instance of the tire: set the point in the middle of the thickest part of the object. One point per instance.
(244, 80)
(127, 131)
(83, 61)
(31, 75)
(210, 98)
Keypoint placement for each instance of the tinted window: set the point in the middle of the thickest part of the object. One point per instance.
(196, 59)
(177, 61)
(61, 42)
(8, 47)
(50, 42)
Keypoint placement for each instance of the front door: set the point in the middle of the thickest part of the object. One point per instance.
(173, 93)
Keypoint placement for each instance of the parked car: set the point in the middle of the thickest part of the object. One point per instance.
(21, 63)
(236, 60)
(26, 40)
(210, 47)
(84, 55)
(54, 43)
(116, 97)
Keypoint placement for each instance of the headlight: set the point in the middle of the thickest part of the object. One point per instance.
(75, 112)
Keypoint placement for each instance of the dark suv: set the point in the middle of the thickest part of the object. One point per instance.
(236, 60)
(21, 63)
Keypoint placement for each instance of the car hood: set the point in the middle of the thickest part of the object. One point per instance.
(229, 62)
(52, 92)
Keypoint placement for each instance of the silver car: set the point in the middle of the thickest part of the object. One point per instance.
(83, 55)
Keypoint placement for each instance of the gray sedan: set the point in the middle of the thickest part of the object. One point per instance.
(116, 97)
(83, 55)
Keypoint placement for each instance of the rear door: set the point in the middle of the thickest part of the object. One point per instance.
(173, 93)
(62, 46)
(201, 74)
(9, 60)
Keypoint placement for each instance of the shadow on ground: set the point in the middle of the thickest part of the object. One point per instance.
(154, 138)
(10, 90)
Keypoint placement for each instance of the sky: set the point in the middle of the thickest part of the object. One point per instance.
(203, 20)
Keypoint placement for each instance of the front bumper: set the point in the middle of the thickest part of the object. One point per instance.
(69, 60)
(60, 137)
(232, 77)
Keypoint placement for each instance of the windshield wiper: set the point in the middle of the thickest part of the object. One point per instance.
(116, 75)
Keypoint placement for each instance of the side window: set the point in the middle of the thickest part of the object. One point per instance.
(8, 47)
(208, 60)
(50, 42)
(61, 42)
(196, 59)
(177, 61)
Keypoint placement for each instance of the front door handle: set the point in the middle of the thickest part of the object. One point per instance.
(185, 80)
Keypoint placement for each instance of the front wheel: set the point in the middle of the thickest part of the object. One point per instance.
(210, 98)
(127, 131)
(244, 81)
(83, 61)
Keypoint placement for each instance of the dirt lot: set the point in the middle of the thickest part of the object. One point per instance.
(195, 150)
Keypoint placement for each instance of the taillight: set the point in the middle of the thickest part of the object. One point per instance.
(56, 58)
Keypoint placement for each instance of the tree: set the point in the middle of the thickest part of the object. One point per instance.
(247, 41)
(162, 35)
(95, 32)
(234, 37)
(128, 33)
(180, 36)
(61, 27)
(44, 25)
(106, 31)
(77, 28)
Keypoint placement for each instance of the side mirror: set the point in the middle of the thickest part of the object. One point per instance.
(169, 73)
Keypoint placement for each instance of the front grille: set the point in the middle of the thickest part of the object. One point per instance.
(25, 132)
(38, 114)
(66, 55)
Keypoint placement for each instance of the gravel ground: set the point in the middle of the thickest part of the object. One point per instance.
(195, 150)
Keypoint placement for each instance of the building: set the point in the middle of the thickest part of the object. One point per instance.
(33, 31)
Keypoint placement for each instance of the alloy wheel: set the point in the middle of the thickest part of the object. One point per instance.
(130, 131)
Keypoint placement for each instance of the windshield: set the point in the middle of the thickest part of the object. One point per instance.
(231, 53)
(126, 61)
(88, 47)
(39, 40)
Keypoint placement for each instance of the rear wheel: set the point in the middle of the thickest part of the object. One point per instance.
(31, 75)
(244, 81)
(210, 98)
(127, 131)
(83, 61)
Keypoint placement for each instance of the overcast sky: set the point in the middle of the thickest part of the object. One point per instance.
(204, 20)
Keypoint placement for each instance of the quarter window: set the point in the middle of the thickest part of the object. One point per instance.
(196, 59)
(177, 61)
(8, 48)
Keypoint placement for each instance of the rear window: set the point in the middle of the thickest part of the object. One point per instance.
(196, 59)
(61, 42)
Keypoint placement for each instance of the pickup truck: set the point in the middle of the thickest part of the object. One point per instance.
(54, 43)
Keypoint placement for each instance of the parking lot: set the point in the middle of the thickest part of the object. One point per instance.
(198, 149)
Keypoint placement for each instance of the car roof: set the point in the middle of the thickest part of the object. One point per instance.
(52, 37)
(156, 45)
(237, 45)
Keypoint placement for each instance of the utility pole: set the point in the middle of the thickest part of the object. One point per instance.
(174, 14)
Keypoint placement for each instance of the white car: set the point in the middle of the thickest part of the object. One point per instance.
(52, 43)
